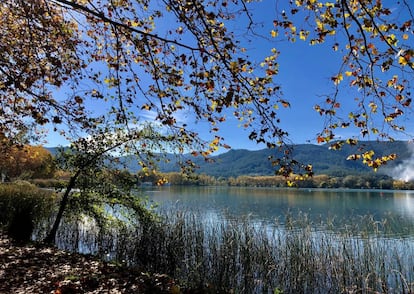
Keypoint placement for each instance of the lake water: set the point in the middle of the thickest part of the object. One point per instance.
(342, 207)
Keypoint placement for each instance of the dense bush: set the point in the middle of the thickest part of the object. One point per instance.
(22, 206)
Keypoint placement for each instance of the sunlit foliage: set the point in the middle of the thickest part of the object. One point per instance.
(24, 162)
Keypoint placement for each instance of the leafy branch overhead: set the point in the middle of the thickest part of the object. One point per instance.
(377, 60)
(161, 61)
(375, 40)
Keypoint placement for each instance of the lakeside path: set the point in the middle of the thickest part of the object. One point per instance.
(38, 269)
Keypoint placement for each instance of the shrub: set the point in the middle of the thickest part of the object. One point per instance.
(22, 207)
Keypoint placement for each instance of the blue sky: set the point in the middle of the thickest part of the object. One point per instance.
(305, 76)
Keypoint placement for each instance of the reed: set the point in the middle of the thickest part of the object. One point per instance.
(241, 256)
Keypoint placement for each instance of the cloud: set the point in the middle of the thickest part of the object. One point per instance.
(405, 170)
(150, 116)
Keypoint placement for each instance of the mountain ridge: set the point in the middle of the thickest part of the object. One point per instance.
(237, 162)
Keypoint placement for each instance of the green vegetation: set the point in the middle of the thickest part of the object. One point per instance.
(356, 181)
(23, 208)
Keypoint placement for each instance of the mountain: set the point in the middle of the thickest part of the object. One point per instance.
(324, 161)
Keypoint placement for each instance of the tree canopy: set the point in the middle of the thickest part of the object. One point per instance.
(24, 162)
(158, 60)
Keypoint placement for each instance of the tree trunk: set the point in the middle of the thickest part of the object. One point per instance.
(51, 236)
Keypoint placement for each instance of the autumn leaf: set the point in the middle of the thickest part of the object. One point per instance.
(285, 103)
(320, 139)
(353, 157)
(337, 79)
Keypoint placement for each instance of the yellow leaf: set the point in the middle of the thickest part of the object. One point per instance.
(214, 105)
(353, 157)
(348, 73)
(405, 36)
(383, 28)
(373, 107)
(234, 65)
(319, 24)
(402, 60)
(274, 33)
(134, 23)
(215, 141)
(368, 155)
(392, 39)
(302, 35)
(337, 79)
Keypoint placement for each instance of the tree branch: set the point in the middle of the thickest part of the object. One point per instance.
(103, 17)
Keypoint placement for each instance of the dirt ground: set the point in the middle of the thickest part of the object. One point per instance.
(38, 269)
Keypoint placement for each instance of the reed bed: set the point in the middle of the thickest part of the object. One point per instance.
(217, 254)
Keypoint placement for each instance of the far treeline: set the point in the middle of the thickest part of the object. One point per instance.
(234, 168)
(363, 181)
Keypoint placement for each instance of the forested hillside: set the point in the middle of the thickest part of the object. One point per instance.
(324, 160)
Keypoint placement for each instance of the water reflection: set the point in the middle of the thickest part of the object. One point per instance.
(394, 209)
(404, 202)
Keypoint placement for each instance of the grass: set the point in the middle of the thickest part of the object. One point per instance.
(240, 256)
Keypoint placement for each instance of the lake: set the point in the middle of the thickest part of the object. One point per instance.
(340, 206)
